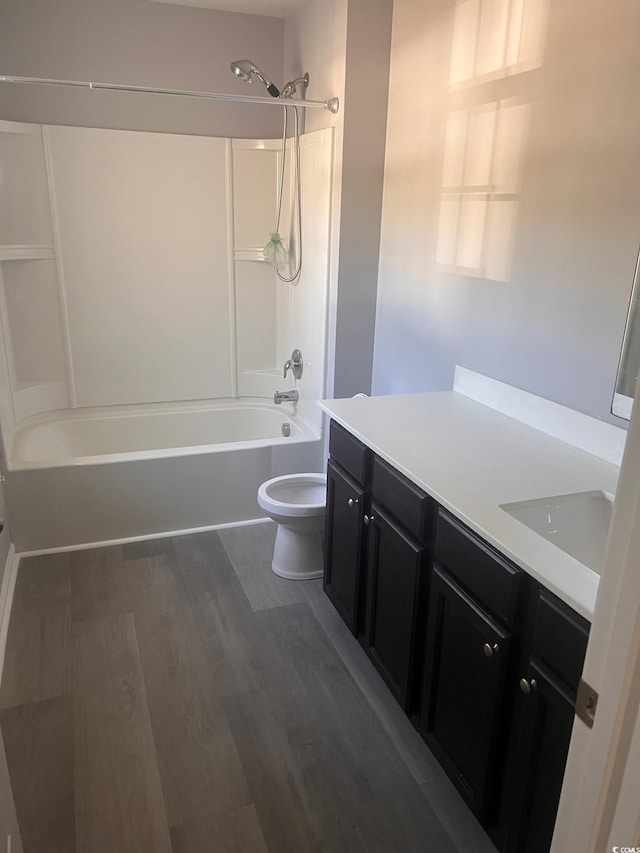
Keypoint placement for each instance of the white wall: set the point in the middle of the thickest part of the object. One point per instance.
(144, 237)
(276, 317)
(156, 288)
(344, 45)
(309, 294)
(140, 43)
(316, 42)
(553, 323)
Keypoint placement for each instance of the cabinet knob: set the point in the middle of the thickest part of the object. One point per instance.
(351, 503)
(528, 687)
(490, 651)
(368, 519)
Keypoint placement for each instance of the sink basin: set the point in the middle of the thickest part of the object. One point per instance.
(577, 523)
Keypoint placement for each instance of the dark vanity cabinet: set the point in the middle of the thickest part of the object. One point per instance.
(399, 562)
(377, 560)
(544, 714)
(462, 719)
(473, 611)
(345, 543)
(502, 665)
(484, 660)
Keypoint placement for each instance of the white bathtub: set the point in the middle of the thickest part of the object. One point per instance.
(92, 476)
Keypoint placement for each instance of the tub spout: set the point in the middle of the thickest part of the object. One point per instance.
(285, 397)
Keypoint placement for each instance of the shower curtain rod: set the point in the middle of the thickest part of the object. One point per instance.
(332, 104)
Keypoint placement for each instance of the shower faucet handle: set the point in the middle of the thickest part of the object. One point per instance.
(295, 363)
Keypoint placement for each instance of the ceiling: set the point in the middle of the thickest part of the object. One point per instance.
(273, 8)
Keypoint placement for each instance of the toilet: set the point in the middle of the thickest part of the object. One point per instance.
(297, 503)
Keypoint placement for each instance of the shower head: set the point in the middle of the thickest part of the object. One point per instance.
(290, 88)
(245, 69)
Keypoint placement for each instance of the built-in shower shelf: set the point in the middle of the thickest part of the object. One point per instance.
(250, 254)
(28, 252)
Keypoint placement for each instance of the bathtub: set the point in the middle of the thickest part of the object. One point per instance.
(101, 475)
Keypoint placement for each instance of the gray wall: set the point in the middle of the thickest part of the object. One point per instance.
(366, 96)
(555, 326)
(141, 43)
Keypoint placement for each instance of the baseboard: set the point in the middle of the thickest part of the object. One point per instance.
(6, 600)
(85, 546)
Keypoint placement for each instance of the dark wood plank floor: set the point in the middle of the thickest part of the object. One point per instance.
(149, 703)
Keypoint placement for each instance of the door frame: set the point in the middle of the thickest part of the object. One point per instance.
(599, 806)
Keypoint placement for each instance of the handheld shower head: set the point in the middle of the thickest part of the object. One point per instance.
(242, 68)
(245, 69)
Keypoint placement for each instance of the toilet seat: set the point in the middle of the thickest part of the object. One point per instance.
(294, 495)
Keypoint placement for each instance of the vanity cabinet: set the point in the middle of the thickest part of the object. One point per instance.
(396, 566)
(464, 692)
(503, 660)
(399, 548)
(544, 715)
(473, 609)
(484, 660)
(345, 542)
(377, 559)
(544, 732)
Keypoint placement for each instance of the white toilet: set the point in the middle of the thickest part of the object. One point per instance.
(297, 503)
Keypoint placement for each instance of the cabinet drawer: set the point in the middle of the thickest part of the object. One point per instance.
(560, 638)
(350, 453)
(491, 579)
(403, 500)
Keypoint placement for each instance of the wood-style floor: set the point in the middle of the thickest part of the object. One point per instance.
(175, 695)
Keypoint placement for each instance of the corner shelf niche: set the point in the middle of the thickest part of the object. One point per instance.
(30, 302)
(261, 303)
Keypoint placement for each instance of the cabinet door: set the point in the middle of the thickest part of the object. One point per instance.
(396, 564)
(463, 694)
(344, 543)
(546, 717)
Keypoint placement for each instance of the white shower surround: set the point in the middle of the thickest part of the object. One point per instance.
(111, 294)
(84, 469)
(100, 475)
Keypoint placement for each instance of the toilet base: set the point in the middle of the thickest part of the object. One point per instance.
(298, 555)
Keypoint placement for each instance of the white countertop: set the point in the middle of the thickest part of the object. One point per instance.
(470, 459)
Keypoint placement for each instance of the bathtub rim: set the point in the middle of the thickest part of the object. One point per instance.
(309, 432)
